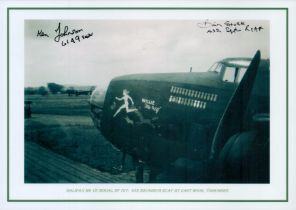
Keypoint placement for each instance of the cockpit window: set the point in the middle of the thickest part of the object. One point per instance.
(231, 71)
(233, 74)
(240, 62)
(217, 67)
(240, 74)
(229, 74)
(97, 97)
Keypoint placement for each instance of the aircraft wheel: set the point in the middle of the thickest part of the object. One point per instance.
(244, 159)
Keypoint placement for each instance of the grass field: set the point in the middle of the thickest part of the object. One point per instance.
(62, 124)
(59, 104)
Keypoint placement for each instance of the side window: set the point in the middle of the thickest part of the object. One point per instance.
(240, 74)
(229, 74)
(233, 74)
(217, 67)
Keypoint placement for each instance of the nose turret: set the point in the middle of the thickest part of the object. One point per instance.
(96, 106)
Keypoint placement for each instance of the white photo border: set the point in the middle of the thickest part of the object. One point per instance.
(18, 191)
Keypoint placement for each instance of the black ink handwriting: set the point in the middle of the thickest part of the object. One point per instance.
(208, 24)
(253, 29)
(229, 27)
(232, 30)
(76, 39)
(65, 32)
(41, 33)
(237, 23)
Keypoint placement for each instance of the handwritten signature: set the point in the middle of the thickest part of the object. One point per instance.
(208, 24)
(231, 27)
(65, 35)
(65, 32)
(41, 33)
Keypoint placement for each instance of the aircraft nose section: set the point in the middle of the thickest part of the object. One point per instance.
(97, 98)
(96, 106)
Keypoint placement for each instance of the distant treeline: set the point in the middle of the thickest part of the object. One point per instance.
(54, 88)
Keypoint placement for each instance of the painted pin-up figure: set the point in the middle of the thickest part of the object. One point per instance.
(125, 106)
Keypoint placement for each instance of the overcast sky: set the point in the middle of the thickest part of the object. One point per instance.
(130, 46)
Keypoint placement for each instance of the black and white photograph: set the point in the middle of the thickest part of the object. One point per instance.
(147, 105)
(147, 101)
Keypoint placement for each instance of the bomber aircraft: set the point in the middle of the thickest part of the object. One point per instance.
(193, 127)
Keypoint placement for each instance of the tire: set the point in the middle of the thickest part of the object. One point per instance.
(244, 159)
